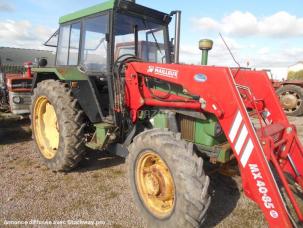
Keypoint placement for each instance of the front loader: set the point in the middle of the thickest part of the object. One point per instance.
(108, 92)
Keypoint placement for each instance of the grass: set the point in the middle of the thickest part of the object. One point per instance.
(115, 225)
(20, 192)
(112, 195)
(23, 163)
(68, 178)
(52, 187)
(28, 179)
(97, 175)
(115, 173)
(102, 188)
(80, 204)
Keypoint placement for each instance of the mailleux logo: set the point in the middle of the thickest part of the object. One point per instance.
(163, 72)
(150, 69)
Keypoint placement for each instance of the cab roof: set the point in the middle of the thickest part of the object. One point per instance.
(121, 5)
(88, 11)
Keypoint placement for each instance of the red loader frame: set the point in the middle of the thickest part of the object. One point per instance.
(237, 98)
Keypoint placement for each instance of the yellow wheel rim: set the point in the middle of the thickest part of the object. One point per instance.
(45, 127)
(155, 184)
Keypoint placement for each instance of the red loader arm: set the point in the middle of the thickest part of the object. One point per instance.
(229, 95)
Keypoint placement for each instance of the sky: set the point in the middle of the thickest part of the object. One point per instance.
(263, 34)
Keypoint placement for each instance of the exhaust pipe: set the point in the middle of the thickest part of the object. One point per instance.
(177, 36)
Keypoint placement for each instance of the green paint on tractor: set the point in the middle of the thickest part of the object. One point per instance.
(207, 135)
(225, 153)
(174, 89)
(63, 73)
(161, 120)
(87, 12)
(205, 132)
(100, 137)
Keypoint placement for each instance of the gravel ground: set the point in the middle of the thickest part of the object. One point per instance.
(97, 190)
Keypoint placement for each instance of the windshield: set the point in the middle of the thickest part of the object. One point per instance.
(151, 38)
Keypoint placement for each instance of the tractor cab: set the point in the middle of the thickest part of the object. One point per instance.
(89, 42)
(94, 38)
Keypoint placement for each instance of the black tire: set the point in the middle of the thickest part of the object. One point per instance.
(293, 89)
(70, 121)
(191, 184)
(4, 105)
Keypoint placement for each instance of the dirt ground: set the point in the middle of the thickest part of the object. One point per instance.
(96, 191)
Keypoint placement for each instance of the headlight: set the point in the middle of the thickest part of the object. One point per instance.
(17, 100)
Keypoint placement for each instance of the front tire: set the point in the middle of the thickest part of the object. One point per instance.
(57, 125)
(171, 190)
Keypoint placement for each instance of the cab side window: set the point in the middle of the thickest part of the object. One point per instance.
(69, 44)
(74, 44)
(62, 50)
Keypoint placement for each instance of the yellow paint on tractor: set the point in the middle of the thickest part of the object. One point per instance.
(46, 127)
(155, 184)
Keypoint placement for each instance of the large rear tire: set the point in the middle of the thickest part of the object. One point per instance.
(57, 125)
(167, 179)
(291, 97)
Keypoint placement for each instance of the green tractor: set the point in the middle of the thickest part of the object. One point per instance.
(79, 103)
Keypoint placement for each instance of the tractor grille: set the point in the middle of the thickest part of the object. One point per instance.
(187, 127)
(22, 107)
(22, 83)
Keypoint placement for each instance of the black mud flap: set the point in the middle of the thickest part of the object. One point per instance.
(118, 150)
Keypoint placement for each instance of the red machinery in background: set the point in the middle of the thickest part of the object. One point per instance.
(16, 89)
(290, 93)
